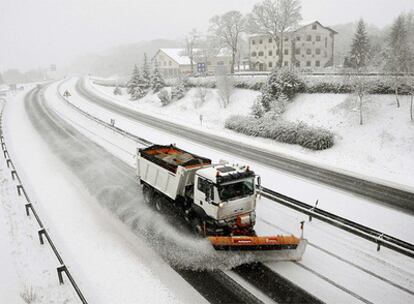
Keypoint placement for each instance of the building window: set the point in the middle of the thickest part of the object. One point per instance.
(317, 63)
(220, 62)
(270, 53)
(308, 63)
(325, 54)
(270, 64)
(297, 51)
(286, 63)
(308, 51)
(261, 53)
(309, 38)
(277, 52)
(260, 41)
(253, 41)
(297, 38)
(314, 26)
(270, 40)
(169, 63)
(318, 38)
(254, 54)
(286, 38)
(297, 64)
(326, 42)
(317, 51)
(286, 52)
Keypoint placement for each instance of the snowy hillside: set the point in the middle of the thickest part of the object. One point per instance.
(383, 148)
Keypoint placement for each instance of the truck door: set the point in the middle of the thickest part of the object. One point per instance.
(204, 196)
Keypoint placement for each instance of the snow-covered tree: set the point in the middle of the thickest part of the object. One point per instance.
(164, 97)
(201, 96)
(117, 90)
(274, 18)
(399, 57)
(146, 74)
(178, 90)
(360, 48)
(191, 41)
(227, 28)
(361, 86)
(225, 87)
(157, 82)
(133, 82)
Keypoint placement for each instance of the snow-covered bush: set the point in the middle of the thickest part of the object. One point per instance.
(281, 130)
(257, 109)
(117, 91)
(28, 295)
(178, 91)
(157, 82)
(164, 97)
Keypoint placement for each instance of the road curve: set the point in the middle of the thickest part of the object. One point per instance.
(384, 194)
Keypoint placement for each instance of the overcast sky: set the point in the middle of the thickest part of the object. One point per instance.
(36, 33)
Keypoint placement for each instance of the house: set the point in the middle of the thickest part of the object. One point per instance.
(308, 47)
(173, 62)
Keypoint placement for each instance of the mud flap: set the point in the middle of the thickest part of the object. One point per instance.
(276, 247)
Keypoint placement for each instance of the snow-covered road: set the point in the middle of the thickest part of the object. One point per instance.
(110, 263)
(357, 258)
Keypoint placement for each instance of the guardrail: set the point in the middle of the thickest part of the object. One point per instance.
(42, 232)
(381, 239)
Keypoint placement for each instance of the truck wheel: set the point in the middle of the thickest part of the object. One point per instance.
(197, 226)
(159, 204)
(147, 191)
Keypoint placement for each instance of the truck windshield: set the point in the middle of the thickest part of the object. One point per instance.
(237, 189)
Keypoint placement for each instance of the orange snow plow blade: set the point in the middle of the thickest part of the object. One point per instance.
(279, 242)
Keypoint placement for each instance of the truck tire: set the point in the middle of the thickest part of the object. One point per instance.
(148, 194)
(197, 226)
(159, 203)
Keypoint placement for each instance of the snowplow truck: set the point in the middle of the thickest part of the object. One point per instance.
(218, 201)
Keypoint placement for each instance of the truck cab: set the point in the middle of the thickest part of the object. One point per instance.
(227, 194)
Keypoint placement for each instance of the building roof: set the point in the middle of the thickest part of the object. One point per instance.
(297, 29)
(178, 55)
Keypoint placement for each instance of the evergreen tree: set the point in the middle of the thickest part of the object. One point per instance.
(399, 50)
(178, 91)
(117, 90)
(157, 82)
(398, 58)
(133, 82)
(360, 47)
(146, 75)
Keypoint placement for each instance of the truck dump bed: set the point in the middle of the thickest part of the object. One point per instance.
(168, 168)
(170, 157)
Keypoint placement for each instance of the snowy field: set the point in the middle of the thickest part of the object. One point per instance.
(380, 150)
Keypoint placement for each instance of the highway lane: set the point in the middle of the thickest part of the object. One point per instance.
(384, 194)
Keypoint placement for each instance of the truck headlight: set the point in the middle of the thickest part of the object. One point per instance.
(221, 205)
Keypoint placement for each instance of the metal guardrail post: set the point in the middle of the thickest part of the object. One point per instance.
(13, 174)
(9, 162)
(61, 269)
(27, 207)
(19, 189)
(41, 233)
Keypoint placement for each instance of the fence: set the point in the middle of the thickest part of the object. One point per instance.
(42, 232)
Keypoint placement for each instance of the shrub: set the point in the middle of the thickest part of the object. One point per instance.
(270, 126)
(178, 91)
(117, 91)
(164, 97)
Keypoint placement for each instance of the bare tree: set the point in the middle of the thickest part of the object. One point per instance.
(191, 41)
(274, 18)
(208, 47)
(225, 87)
(201, 95)
(361, 86)
(227, 28)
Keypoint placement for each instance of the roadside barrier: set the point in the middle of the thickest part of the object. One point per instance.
(42, 232)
